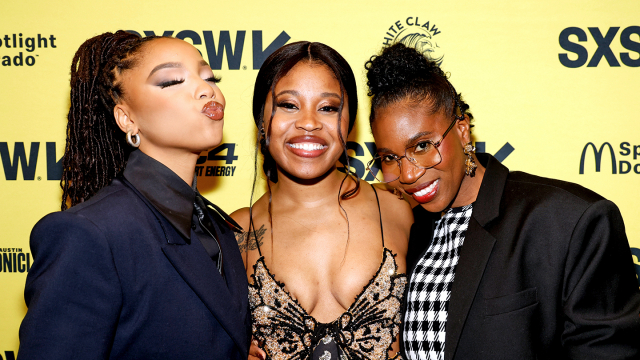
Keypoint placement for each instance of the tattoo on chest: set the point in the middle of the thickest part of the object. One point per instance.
(247, 240)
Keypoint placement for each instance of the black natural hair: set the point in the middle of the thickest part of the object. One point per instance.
(274, 68)
(400, 72)
(96, 150)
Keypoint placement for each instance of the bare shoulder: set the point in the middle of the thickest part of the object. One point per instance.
(395, 208)
(252, 235)
(241, 216)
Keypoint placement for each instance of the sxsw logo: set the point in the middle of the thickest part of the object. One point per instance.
(28, 163)
(604, 46)
(617, 167)
(220, 46)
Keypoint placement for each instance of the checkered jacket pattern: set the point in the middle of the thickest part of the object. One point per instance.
(430, 285)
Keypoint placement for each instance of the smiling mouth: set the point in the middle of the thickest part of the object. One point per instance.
(425, 194)
(307, 146)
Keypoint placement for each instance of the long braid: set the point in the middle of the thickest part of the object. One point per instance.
(96, 150)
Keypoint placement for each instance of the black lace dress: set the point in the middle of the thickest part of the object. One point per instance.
(365, 331)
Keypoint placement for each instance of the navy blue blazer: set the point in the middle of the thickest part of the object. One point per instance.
(545, 272)
(112, 279)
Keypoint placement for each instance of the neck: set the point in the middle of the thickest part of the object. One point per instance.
(310, 193)
(182, 163)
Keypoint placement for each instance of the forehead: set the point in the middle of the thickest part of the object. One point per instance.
(165, 50)
(400, 121)
(311, 76)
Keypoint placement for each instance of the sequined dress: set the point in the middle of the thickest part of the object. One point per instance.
(365, 331)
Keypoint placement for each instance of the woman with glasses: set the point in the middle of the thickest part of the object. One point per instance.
(324, 251)
(501, 265)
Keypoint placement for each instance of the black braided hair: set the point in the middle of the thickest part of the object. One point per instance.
(400, 72)
(96, 150)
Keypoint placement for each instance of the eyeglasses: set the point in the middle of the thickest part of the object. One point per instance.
(424, 155)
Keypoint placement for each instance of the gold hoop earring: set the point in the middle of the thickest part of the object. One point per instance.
(130, 141)
(469, 163)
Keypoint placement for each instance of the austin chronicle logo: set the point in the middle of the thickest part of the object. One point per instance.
(417, 33)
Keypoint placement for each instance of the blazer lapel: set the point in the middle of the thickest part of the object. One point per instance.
(476, 250)
(196, 268)
(474, 255)
(199, 272)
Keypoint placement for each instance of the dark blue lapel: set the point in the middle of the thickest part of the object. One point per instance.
(228, 304)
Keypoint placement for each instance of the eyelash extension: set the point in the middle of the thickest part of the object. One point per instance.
(286, 104)
(330, 108)
(214, 79)
(170, 83)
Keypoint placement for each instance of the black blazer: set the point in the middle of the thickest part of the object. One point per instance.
(112, 279)
(545, 272)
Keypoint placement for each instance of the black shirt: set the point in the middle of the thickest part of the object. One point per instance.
(174, 199)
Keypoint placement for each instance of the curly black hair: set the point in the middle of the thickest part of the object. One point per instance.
(400, 72)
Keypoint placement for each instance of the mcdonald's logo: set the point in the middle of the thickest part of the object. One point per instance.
(620, 167)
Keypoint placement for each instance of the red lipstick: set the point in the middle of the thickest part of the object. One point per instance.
(425, 192)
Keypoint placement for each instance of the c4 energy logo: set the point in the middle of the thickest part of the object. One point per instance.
(18, 50)
(28, 164)
(218, 47)
(629, 39)
(630, 154)
(214, 155)
(13, 260)
(417, 33)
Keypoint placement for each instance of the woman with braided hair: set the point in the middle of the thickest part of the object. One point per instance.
(501, 265)
(141, 266)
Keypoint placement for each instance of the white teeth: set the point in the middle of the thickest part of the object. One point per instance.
(426, 190)
(307, 146)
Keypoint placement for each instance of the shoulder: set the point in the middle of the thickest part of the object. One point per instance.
(394, 207)
(521, 186)
(241, 216)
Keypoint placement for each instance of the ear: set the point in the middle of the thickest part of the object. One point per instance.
(463, 127)
(124, 121)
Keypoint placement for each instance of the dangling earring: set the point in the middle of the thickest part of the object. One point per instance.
(262, 134)
(398, 193)
(470, 164)
(130, 141)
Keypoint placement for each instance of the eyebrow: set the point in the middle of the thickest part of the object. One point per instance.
(417, 136)
(296, 93)
(173, 65)
(407, 143)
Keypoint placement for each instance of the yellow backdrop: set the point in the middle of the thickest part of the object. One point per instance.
(544, 80)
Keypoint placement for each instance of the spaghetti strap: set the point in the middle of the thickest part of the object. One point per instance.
(255, 236)
(379, 214)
